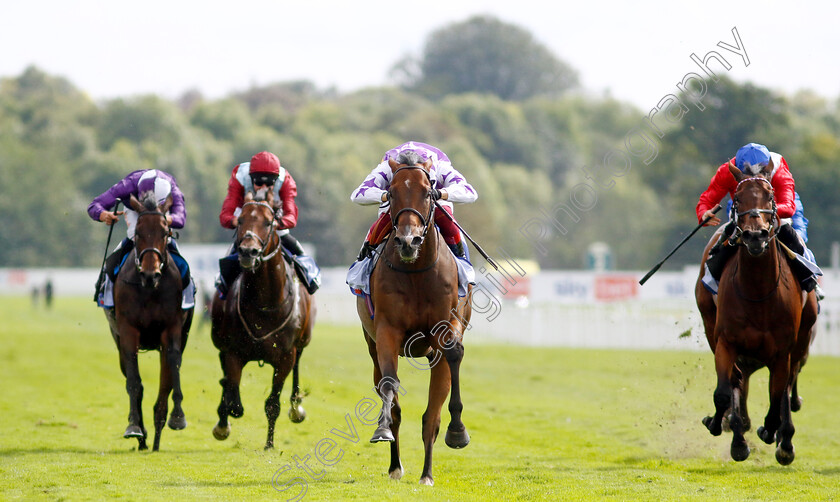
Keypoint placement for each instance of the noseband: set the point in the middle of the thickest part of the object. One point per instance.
(164, 257)
(426, 222)
(263, 243)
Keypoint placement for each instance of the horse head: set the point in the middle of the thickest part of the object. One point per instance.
(256, 230)
(754, 209)
(412, 203)
(150, 235)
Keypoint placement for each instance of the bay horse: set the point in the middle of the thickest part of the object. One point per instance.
(267, 316)
(417, 313)
(761, 317)
(147, 315)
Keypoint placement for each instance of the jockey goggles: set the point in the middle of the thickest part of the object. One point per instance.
(263, 179)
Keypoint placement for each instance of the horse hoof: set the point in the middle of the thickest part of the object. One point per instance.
(297, 414)
(426, 480)
(236, 411)
(268, 446)
(457, 439)
(785, 457)
(765, 435)
(709, 423)
(134, 431)
(382, 434)
(396, 474)
(177, 423)
(740, 452)
(221, 433)
(796, 404)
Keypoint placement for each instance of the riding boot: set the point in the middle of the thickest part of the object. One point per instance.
(228, 271)
(721, 252)
(292, 244)
(458, 250)
(110, 267)
(366, 251)
(788, 236)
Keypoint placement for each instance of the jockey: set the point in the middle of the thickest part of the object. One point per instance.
(101, 208)
(449, 182)
(264, 170)
(754, 159)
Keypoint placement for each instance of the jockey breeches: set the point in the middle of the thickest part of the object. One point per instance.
(450, 232)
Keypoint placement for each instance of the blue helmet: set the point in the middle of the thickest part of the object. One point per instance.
(752, 158)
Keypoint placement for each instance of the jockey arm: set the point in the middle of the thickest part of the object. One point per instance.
(453, 185)
(784, 190)
(288, 192)
(233, 200)
(722, 183)
(374, 186)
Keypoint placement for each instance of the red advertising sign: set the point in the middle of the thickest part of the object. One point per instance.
(616, 287)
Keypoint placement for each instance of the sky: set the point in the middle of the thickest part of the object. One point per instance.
(634, 51)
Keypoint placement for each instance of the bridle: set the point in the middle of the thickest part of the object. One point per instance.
(754, 212)
(163, 255)
(426, 221)
(263, 242)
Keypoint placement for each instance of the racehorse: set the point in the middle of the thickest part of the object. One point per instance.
(267, 316)
(417, 313)
(761, 317)
(147, 315)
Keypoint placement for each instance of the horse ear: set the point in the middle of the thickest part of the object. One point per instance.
(736, 173)
(393, 164)
(427, 165)
(164, 208)
(135, 204)
(249, 196)
(768, 169)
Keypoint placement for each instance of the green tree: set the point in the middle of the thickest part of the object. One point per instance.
(486, 55)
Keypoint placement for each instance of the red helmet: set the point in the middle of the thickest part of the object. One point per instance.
(265, 162)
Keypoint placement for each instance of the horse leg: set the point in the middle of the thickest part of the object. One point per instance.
(456, 433)
(134, 388)
(272, 403)
(296, 412)
(230, 404)
(739, 450)
(163, 397)
(439, 384)
(784, 436)
(177, 420)
(724, 364)
(392, 434)
(778, 385)
(747, 369)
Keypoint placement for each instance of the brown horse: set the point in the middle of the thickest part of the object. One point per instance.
(267, 315)
(414, 290)
(147, 315)
(761, 317)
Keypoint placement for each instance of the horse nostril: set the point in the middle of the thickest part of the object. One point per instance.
(398, 241)
(156, 276)
(416, 241)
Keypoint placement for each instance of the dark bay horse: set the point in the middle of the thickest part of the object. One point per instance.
(417, 314)
(267, 315)
(147, 315)
(761, 317)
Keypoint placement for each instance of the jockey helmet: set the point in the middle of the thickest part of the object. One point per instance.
(265, 162)
(150, 181)
(752, 158)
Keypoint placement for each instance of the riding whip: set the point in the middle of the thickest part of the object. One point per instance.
(477, 247)
(654, 269)
(107, 245)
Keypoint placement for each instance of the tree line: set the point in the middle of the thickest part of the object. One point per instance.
(524, 148)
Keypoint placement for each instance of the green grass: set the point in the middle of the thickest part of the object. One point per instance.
(546, 424)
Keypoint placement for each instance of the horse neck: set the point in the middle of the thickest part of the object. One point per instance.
(762, 272)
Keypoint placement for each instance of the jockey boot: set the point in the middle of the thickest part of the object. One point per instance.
(114, 259)
(228, 271)
(458, 250)
(289, 242)
(366, 251)
(788, 236)
(720, 253)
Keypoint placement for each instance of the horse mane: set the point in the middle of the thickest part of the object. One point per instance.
(409, 158)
